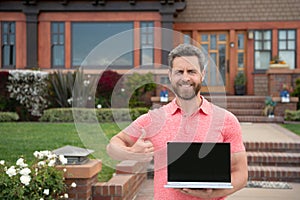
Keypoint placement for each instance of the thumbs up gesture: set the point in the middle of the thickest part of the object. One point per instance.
(142, 149)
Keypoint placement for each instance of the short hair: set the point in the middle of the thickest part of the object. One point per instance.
(187, 50)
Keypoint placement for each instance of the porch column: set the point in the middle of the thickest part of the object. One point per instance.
(31, 38)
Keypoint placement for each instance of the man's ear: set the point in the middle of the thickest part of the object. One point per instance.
(203, 74)
(170, 74)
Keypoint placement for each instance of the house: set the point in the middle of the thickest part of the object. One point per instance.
(239, 36)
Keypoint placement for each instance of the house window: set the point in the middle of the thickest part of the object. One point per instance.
(287, 46)
(102, 44)
(58, 44)
(241, 50)
(187, 37)
(147, 43)
(262, 49)
(8, 47)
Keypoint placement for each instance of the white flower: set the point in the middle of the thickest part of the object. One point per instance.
(73, 185)
(25, 179)
(62, 159)
(51, 163)
(46, 191)
(41, 163)
(41, 198)
(11, 171)
(64, 169)
(25, 171)
(99, 106)
(2, 162)
(66, 195)
(20, 162)
(122, 90)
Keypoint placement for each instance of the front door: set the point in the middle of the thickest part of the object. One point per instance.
(216, 45)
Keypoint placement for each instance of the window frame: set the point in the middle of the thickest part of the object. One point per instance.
(149, 26)
(12, 46)
(59, 43)
(262, 41)
(287, 40)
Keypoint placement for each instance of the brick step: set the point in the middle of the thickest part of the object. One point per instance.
(293, 147)
(245, 105)
(247, 112)
(272, 173)
(273, 159)
(221, 98)
(260, 119)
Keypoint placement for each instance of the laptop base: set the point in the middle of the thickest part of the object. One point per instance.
(200, 185)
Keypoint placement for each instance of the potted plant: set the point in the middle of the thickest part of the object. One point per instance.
(240, 83)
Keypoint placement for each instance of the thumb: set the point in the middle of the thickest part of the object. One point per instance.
(143, 135)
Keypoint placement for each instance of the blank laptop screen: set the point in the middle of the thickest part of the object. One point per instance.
(186, 165)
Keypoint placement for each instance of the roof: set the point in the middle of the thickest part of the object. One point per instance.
(239, 11)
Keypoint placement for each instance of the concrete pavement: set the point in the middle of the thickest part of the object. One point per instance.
(252, 132)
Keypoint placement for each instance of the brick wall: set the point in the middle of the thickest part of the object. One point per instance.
(124, 185)
(260, 85)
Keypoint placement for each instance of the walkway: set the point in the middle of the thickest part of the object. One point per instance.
(251, 133)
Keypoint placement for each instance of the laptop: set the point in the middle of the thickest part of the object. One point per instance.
(198, 165)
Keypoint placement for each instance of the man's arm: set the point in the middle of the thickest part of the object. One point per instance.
(122, 147)
(239, 176)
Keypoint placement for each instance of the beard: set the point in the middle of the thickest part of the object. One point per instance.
(186, 93)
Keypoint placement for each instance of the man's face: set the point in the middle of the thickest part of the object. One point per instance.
(186, 77)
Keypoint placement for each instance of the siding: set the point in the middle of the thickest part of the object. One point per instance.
(239, 11)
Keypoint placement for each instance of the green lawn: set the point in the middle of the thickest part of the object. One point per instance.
(293, 127)
(22, 139)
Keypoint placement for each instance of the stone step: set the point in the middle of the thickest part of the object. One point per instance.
(273, 159)
(274, 173)
(293, 147)
(260, 119)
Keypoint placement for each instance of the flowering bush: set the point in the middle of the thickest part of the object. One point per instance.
(29, 88)
(39, 181)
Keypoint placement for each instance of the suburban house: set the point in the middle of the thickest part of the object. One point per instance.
(240, 36)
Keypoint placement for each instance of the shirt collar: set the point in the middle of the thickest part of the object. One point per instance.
(205, 106)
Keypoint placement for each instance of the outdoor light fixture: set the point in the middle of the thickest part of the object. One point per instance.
(74, 155)
(231, 44)
(250, 34)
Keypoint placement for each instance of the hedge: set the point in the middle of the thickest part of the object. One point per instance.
(87, 115)
(8, 116)
(291, 115)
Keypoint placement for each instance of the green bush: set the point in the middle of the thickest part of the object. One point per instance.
(8, 116)
(85, 114)
(291, 115)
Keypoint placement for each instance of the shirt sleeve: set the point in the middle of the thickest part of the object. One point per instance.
(134, 130)
(233, 133)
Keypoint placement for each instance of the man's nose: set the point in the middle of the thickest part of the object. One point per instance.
(185, 76)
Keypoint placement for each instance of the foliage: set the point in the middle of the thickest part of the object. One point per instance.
(140, 84)
(240, 79)
(269, 106)
(292, 115)
(86, 114)
(296, 92)
(61, 87)
(40, 180)
(8, 116)
(29, 87)
(106, 85)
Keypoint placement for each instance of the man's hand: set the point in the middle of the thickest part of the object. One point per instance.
(202, 193)
(142, 150)
(122, 148)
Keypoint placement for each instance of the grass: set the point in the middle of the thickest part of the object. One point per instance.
(293, 127)
(22, 139)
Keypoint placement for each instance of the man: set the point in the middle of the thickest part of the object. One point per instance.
(189, 117)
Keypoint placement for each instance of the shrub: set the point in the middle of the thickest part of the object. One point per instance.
(85, 114)
(292, 115)
(40, 180)
(296, 92)
(105, 87)
(29, 88)
(8, 116)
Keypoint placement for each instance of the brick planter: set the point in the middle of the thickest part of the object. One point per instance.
(85, 176)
